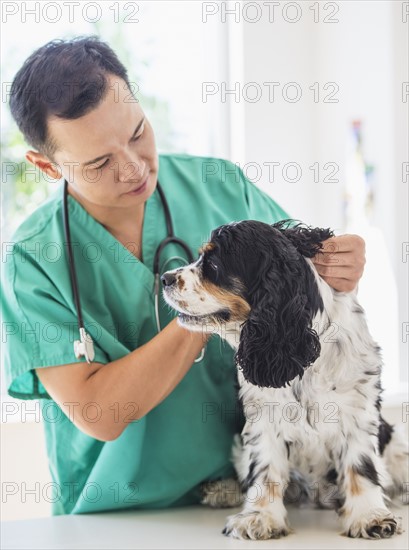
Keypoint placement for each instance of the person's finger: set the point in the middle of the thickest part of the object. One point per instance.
(339, 272)
(341, 259)
(340, 284)
(343, 243)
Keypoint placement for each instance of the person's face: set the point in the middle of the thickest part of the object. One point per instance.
(118, 132)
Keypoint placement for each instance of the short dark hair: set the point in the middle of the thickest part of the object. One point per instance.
(64, 78)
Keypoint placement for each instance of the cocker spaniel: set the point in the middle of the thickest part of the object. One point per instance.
(309, 381)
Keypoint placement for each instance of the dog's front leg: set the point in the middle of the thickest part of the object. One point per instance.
(264, 515)
(364, 513)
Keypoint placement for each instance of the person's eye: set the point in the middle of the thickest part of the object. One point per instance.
(140, 134)
(102, 165)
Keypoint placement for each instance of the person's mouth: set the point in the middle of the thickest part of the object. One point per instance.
(138, 190)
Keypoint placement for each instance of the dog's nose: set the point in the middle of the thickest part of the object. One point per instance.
(168, 279)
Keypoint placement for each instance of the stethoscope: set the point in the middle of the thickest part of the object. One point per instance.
(84, 347)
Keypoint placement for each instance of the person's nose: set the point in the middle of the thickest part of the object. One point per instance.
(168, 279)
(130, 169)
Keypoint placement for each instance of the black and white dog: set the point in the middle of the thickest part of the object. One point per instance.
(309, 379)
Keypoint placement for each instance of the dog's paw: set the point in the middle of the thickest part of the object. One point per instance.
(378, 524)
(221, 493)
(255, 525)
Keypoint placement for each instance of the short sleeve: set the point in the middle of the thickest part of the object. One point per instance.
(38, 328)
(261, 206)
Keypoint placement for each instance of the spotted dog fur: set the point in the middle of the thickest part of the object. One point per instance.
(309, 382)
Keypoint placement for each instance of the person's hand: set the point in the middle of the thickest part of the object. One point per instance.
(341, 261)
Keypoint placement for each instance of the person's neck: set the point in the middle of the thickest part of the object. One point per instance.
(118, 221)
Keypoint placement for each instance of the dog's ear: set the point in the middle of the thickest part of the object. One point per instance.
(277, 341)
(307, 240)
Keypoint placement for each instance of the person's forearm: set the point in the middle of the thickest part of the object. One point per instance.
(128, 388)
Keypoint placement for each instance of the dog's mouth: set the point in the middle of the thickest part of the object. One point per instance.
(222, 315)
(218, 316)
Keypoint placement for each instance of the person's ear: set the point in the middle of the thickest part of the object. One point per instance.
(44, 164)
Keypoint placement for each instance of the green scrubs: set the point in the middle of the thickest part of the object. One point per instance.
(159, 460)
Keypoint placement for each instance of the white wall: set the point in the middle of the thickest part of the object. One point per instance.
(366, 55)
(281, 131)
(401, 155)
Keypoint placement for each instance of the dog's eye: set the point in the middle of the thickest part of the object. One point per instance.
(210, 269)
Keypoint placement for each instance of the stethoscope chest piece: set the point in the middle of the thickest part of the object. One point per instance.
(84, 346)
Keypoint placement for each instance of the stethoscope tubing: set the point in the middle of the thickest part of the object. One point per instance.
(84, 347)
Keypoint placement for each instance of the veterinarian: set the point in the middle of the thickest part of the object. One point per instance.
(143, 424)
